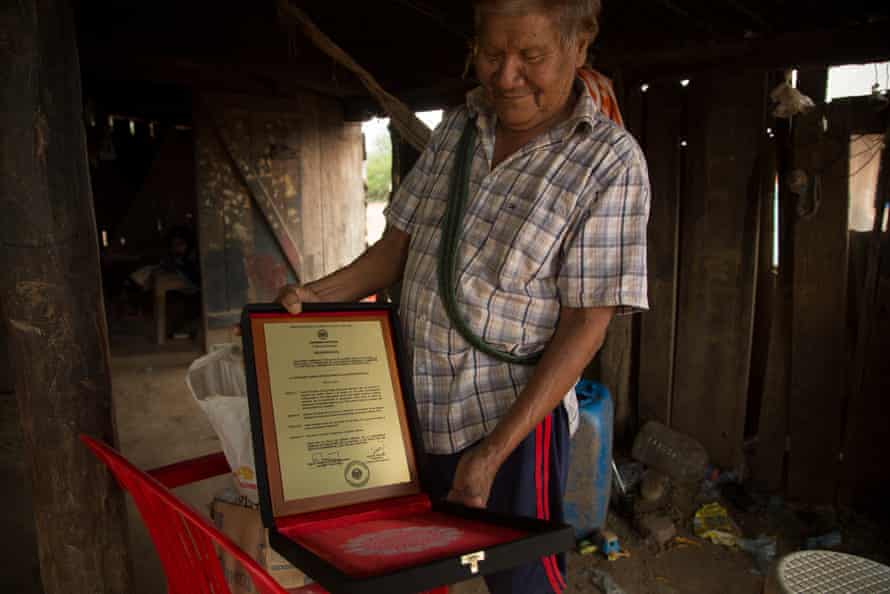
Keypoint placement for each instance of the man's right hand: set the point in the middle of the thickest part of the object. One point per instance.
(292, 297)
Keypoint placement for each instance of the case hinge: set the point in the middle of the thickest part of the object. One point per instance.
(473, 560)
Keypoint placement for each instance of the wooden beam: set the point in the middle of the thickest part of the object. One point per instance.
(753, 15)
(50, 287)
(409, 125)
(843, 45)
(282, 80)
(685, 15)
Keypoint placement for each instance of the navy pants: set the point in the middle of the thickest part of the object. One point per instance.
(531, 482)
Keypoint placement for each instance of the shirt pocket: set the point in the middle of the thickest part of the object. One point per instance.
(528, 264)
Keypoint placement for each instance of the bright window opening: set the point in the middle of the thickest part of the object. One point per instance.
(858, 80)
(378, 168)
(865, 164)
(776, 230)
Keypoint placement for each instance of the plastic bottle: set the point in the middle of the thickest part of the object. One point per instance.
(679, 456)
(586, 501)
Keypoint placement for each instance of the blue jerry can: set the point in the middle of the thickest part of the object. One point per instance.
(590, 466)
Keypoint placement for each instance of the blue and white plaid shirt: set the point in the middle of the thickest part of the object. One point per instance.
(562, 222)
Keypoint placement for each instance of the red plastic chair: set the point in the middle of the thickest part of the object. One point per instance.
(183, 539)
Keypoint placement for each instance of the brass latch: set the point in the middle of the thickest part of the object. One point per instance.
(473, 560)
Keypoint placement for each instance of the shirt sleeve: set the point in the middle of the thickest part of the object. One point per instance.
(604, 256)
(402, 210)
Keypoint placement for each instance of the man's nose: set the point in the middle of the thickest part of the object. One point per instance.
(509, 75)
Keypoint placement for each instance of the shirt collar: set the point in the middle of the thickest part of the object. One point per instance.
(584, 115)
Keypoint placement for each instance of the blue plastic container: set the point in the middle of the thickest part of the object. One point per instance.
(590, 467)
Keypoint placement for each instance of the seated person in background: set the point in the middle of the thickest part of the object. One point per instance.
(182, 258)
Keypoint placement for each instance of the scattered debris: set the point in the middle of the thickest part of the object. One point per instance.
(683, 541)
(737, 495)
(631, 474)
(677, 455)
(604, 582)
(762, 548)
(654, 486)
(824, 541)
(618, 555)
(712, 522)
(586, 547)
(716, 483)
(660, 530)
(607, 542)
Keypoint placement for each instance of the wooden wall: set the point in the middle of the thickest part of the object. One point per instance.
(269, 169)
(757, 364)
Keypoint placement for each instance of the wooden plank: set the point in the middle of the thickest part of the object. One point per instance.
(864, 481)
(275, 152)
(291, 176)
(813, 82)
(51, 292)
(772, 345)
(633, 104)
(223, 200)
(614, 372)
(718, 263)
(312, 190)
(238, 136)
(820, 284)
(665, 129)
(345, 227)
(6, 378)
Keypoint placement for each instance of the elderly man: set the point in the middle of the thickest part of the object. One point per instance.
(503, 309)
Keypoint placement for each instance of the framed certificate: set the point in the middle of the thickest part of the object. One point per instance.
(340, 468)
(334, 422)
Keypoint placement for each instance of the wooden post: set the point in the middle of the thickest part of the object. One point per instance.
(819, 297)
(51, 291)
(666, 128)
(718, 263)
(404, 156)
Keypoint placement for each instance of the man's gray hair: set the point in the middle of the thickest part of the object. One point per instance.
(574, 17)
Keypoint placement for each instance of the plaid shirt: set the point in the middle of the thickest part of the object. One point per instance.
(562, 222)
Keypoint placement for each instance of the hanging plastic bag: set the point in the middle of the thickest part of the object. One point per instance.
(790, 102)
(218, 385)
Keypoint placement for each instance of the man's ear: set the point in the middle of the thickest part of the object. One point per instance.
(581, 47)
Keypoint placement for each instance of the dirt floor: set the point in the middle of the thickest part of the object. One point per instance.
(159, 423)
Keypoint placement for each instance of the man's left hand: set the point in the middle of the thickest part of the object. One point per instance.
(473, 478)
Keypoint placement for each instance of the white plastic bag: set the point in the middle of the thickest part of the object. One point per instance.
(218, 385)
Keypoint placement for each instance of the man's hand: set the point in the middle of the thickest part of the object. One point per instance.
(473, 478)
(579, 335)
(292, 297)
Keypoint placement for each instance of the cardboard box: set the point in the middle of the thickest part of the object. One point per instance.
(243, 525)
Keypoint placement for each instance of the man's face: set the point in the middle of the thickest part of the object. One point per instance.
(526, 71)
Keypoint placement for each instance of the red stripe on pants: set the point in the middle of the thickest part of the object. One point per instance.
(542, 475)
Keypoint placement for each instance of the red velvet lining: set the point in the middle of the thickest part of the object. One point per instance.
(327, 519)
(380, 537)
